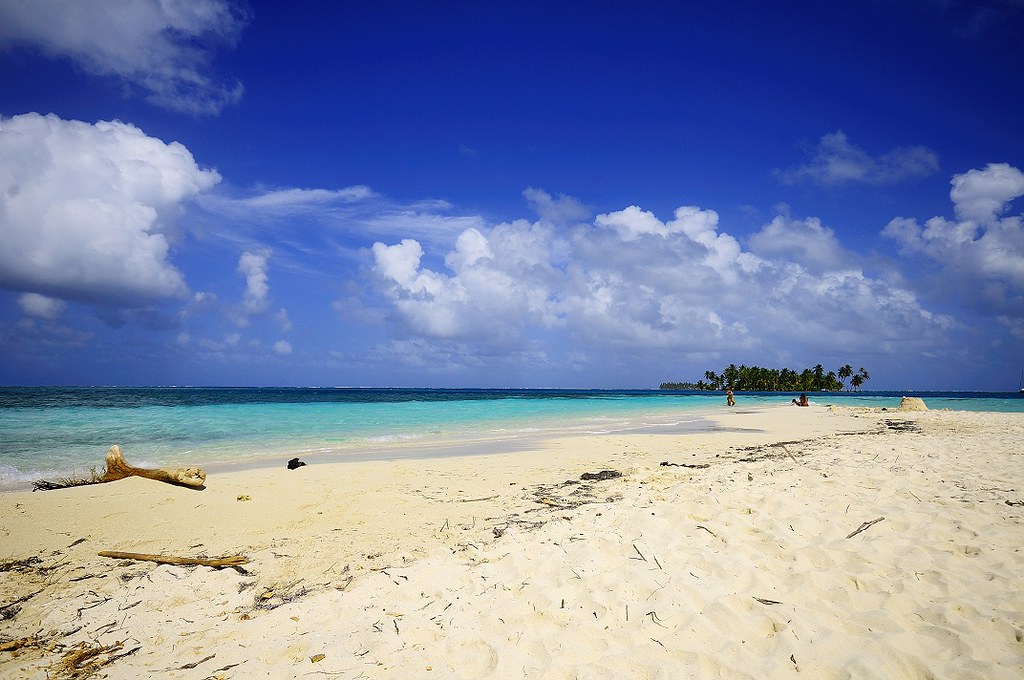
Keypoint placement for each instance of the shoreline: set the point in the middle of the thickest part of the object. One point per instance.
(358, 560)
(34, 452)
(425, 447)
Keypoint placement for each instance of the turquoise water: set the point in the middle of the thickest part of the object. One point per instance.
(54, 432)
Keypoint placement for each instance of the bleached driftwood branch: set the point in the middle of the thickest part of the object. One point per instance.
(118, 468)
(234, 561)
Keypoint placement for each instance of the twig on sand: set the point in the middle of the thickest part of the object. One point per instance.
(791, 456)
(9, 611)
(655, 619)
(864, 526)
(192, 665)
(764, 601)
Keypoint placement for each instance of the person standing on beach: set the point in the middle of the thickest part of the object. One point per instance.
(729, 401)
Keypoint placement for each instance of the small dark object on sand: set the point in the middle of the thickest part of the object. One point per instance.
(295, 463)
(600, 476)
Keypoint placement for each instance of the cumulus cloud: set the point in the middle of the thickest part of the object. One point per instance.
(282, 347)
(981, 253)
(982, 195)
(632, 223)
(629, 281)
(85, 209)
(806, 242)
(836, 161)
(163, 47)
(283, 320)
(40, 306)
(253, 266)
(559, 210)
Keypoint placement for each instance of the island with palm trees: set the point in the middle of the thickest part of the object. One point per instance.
(756, 378)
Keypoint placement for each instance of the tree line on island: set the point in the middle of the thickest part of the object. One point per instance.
(756, 378)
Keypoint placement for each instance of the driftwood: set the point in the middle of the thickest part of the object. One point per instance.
(118, 468)
(234, 561)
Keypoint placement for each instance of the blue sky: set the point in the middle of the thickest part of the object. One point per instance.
(510, 194)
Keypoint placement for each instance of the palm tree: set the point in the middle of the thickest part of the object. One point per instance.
(856, 381)
(713, 379)
(844, 373)
(819, 375)
(863, 375)
(730, 375)
(806, 381)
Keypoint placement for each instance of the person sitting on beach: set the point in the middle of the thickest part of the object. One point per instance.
(729, 401)
(803, 401)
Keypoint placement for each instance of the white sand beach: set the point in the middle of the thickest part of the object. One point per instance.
(740, 558)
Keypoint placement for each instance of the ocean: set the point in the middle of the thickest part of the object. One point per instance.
(54, 432)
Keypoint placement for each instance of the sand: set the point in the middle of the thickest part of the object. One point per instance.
(746, 564)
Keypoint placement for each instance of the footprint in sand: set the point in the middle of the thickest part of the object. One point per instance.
(476, 659)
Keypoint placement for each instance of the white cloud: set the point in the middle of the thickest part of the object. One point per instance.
(631, 223)
(354, 210)
(558, 210)
(280, 202)
(164, 47)
(806, 242)
(41, 306)
(283, 320)
(982, 254)
(630, 282)
(253, 266)
(701, 227)
(282, 347)
(982, 195)
(836, 161)
(427, 223)
(470, 248)
(85, 208)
